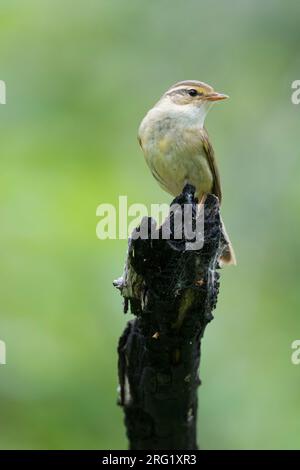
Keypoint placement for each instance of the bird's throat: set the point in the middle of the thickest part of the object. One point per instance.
(185, 115)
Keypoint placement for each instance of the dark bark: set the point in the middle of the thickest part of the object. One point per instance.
(172, 293)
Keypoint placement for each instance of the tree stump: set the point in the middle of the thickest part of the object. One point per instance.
(172, 292)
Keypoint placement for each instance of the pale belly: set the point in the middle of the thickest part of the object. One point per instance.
(174, 167)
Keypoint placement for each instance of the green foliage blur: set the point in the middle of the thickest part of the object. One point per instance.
(80, 75)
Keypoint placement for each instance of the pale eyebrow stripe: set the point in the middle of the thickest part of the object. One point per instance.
(182, 88)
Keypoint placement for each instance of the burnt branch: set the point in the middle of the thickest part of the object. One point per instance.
(172, 292)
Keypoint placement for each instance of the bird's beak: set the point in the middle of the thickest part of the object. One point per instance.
(216, 96)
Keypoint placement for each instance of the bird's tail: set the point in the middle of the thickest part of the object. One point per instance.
(228, 256)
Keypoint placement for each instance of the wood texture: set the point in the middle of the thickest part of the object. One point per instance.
(172, 293)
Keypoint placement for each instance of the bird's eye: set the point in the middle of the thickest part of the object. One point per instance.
(193, 92)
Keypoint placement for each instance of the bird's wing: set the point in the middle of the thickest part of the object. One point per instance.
(216, 188)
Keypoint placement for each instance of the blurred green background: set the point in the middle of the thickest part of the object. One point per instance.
(80, 75)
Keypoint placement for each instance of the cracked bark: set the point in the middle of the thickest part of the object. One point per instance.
(172, 293)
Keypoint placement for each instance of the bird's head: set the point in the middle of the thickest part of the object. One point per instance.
(193, 92)
(190, 98)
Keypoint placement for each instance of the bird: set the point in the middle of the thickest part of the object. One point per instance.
(177, 148)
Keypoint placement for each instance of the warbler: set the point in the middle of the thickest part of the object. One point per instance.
(176, 145)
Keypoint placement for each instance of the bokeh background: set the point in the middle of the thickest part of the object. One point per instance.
(80, 75)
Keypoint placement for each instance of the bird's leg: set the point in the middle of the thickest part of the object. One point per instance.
(203, 199)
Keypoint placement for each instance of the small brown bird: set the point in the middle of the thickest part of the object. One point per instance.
(177, 147)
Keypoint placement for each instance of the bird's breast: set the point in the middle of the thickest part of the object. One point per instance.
(175, 154)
